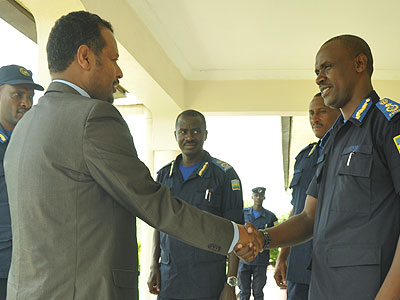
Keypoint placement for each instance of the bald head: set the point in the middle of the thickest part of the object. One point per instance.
(355, 45)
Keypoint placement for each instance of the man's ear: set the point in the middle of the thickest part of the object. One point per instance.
(360, 63)
(83, 56)
(176, 138)
(206, 133)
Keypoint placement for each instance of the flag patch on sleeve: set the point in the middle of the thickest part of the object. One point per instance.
(396, 140)
(235, 185)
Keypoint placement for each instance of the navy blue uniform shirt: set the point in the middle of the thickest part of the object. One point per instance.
(188, 272)
(264, 220)
(5, 220)
(304, 170)
(357, 221)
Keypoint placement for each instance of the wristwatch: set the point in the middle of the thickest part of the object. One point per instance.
(267, 239)
(232, 281)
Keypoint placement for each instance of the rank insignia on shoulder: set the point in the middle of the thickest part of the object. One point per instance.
(388, 107)
(221, 164)
(396, 140)
(235, 184)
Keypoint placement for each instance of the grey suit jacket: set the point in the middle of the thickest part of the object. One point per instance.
(75, 186)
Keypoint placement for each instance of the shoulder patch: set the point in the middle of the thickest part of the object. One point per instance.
(388, 107)
(396, 140)
(235, 184)
(221, 164)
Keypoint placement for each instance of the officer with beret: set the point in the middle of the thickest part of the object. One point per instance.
(179, 270)
(16, 95)
(257, 268)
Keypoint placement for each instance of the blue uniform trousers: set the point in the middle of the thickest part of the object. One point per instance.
(246, 283)
(297, 291)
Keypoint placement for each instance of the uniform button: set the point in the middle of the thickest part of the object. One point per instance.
(214, 247)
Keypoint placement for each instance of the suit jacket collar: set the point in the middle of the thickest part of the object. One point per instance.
(59, 87)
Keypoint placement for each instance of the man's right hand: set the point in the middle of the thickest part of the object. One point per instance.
(251, 242)
(280, 273)
(154, 281)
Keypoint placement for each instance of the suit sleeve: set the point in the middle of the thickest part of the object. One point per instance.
(112, 161)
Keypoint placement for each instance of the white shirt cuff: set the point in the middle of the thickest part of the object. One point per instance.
(235, 237)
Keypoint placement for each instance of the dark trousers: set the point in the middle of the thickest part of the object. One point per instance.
(252, 277)
(3, 288)
(297, 291)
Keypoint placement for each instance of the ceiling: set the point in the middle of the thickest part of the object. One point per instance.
(267, 39)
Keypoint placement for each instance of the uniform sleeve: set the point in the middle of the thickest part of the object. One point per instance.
(273, 220)
(312, 188)
(391, 148)
(232, 197)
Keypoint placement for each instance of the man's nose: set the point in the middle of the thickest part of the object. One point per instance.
(119, 72)
(26, 102)
(320, 78)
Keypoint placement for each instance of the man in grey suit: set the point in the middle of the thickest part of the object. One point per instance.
(76, 184)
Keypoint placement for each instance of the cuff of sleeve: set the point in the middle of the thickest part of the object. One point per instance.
(235, 237)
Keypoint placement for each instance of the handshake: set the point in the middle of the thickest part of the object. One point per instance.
(251, 242)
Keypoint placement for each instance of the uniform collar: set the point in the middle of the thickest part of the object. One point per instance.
(362, 110)
(262, 211)
(201, 170)
(4, 136)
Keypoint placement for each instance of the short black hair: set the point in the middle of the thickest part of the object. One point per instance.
(192, 113)
(356, 46)
(69, 33)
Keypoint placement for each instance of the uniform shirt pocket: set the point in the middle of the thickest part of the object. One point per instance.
(358, 264)
(353, 183)
(296, 177)
(356, 161)
(210, 199)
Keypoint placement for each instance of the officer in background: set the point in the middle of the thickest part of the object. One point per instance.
(293, 269)
(261, 218)
(186, 272)
(16, 96)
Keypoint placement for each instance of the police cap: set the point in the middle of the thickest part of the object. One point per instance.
(13, 74)
(259, 190)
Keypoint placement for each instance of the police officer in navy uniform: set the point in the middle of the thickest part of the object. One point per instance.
(253, 275)
(16, 96)
(356, 224)
(293, 269)
(179, 270)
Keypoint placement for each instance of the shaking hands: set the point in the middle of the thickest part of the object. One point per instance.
(251, 242)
